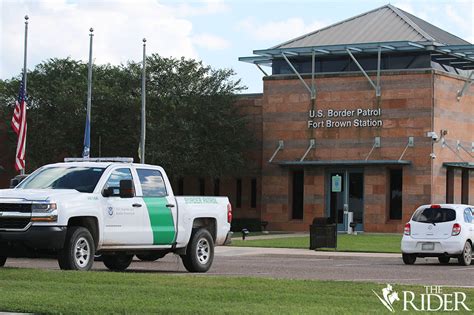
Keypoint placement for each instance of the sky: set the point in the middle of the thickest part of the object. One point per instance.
(216, 32)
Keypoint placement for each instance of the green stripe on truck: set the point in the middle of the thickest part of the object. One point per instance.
(161, 220)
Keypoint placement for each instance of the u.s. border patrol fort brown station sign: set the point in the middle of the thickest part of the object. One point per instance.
(345, 118)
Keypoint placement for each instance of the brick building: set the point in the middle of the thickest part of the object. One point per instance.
(373, 115)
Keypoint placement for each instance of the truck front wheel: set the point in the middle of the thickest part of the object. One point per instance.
(200, 252)
(3, 260)
(118, 262)
(78, 251)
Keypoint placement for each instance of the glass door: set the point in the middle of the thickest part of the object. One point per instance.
(345, 193)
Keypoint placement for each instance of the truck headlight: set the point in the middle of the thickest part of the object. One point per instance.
(43, 207)
(44, 212)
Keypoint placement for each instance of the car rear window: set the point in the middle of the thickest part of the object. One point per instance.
(434, 215)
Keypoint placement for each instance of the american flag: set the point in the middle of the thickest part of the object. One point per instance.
(19, 126)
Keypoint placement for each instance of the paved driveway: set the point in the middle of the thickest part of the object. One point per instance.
(303, 264)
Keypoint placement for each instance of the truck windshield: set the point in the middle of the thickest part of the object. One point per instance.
(82, 179)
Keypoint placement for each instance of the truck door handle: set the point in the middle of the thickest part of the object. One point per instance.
(170, 205)
(136, 205)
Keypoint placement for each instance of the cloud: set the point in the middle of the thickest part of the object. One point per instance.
(210, 42)
(60, 28)
(278, 30)
(456, 16)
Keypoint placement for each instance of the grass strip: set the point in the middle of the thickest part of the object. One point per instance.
(68, 292)
(371, 243)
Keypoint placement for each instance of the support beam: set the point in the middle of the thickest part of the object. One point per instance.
(312, 145)
(467, 84)
(281, 145)
(410, 144)
(376, 145)
(260, 68)
(376, 87)
(298, 75)
(313, 65)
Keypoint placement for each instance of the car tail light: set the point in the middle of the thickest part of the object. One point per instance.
(435, 207)
(407, 229)
(229, 213)
(456, 229)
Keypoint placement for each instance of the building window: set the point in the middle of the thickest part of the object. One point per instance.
(253, 193)
(238, 193)
(465, 187)
(202, 186)
(395, 198)
(297, 195)
(181, 186)
(217, 187)
(449, 185)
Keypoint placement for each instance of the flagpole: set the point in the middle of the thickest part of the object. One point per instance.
(143, 129)
(22, 172)
(87, 132)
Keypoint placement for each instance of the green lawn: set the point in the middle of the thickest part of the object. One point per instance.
(46, 291)
(381, 243)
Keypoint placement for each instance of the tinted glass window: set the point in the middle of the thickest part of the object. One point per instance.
(468, 215)
(82, 179)
(434, 215)
(113, 183)
(152, 183)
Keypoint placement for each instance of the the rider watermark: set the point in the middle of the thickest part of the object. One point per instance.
(433, 299)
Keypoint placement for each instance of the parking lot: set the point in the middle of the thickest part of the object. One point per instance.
(302, 264)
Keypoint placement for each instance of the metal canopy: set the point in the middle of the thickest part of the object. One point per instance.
(465, 165)
(344, 163)
(464, 54)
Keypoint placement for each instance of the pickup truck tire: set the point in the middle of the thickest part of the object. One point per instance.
(152, 256)
(200, 251)
(78, 251)
(3, 259)
(118, 262)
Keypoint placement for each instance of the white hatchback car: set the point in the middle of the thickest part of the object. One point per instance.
(445, 231)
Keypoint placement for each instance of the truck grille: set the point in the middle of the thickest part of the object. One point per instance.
(15, 207)
(14, 223)
(17, 224)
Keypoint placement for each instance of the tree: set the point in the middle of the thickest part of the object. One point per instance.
(193, 127)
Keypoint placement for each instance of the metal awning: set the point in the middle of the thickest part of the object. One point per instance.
(461, 55)
(465, 165)
(344, 163)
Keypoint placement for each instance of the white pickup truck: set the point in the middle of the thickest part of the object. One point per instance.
(112, 207)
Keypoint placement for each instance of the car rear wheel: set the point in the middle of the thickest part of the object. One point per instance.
(465, 258)
(200, 252)
(409, 259)
(118, 262)
(444, 260)
(3, 259)
(78, 251)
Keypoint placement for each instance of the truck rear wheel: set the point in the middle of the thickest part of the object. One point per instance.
(3, 260)
(118, 262)
(78, 251)
(200, 251)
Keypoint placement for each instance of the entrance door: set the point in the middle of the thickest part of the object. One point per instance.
(345, 193)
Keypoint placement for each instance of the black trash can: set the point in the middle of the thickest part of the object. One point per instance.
(322, 234)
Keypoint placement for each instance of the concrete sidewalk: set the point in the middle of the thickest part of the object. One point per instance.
(252, 251)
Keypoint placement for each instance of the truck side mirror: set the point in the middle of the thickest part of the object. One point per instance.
(126, 188)
(14, 182)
